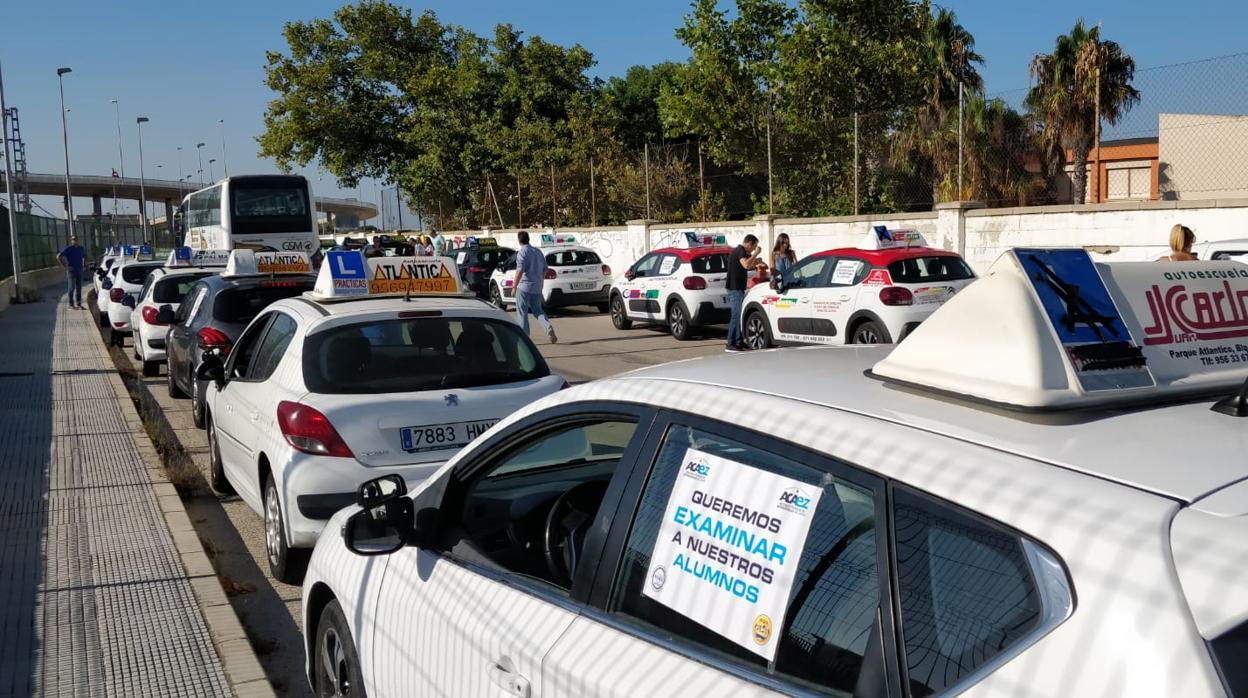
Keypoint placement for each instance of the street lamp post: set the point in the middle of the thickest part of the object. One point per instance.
(211, 176)
(199, 152)
(9, 190)
(180, 175)
(225, 164)
(142, 184)
(69, 198)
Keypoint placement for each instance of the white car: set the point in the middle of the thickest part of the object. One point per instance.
(324, 391)
(876, 293)
(1030, 496)
(107, 260)
(160, 297)
(1235, 250)
(575, 275)
(681, 287)
(126, 280)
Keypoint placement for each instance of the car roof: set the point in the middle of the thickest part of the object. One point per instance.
(886, 257)
(687, 254)
(1179, 450)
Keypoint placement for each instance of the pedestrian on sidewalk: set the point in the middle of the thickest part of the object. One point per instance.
(530, 276)
(743, 259)
(1181, 240)
(72, 258)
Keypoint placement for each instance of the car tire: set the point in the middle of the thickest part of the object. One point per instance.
(197, 402)
(103, 318)
(285, 563)
(679, 321)
(619, 314)
(757, 331)
(496, 297)
(604, 307)
(335, 662)
(869, 332)
(216, 470)
(174, 391)
(151, 369)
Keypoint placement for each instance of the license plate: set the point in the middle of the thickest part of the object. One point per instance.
(436, 437)
(583, 285)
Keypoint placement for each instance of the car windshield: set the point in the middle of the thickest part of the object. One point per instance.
(572, 258)
(491, 256)
(136, 273)
(920, 270)
(242, 304)
(407, 355)
(174, 288)
(710, 264)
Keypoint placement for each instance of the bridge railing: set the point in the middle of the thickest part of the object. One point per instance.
(40, 239)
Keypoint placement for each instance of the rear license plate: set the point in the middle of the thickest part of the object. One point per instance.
(583, 285)
(436, 437)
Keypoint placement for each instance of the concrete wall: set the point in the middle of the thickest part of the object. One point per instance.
(1121, 231)
(36, 281)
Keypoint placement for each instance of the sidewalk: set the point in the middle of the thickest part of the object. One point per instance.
(94, 599)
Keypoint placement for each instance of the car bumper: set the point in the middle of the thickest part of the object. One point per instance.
(558, 297)
(315, 487)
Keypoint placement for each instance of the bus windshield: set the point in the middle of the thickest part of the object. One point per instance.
(264, 205)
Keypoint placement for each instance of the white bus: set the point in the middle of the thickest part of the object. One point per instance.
(258, 212)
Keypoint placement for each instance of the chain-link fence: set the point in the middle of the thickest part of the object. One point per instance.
(1182, 134)
(40, 239)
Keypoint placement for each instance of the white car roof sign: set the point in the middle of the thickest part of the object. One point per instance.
(186, 257)
(694, 239)
(881, 238)
(1050, 329)
(243, 262)
(347, 274)
(549, 240)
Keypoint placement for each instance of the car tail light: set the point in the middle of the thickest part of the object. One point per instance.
(116, 295)
(149, 315)
(550, 274)
(476, 270)
(119, 325)
(212, 338)
(606, 270)
(309, 431)
(895, 295)
(695, 283)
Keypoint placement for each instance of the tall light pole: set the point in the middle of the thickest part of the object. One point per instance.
(69, 198)
(199, 152)
(179, 175)
(212, 177)
(142, 184)
(121, 156)
(8, 188)
(225, 164)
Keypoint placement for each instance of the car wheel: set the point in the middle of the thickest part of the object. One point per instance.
(197, 402)
(151, 369)
(103, 318)
(496, 296)
(216, 470)
(679, 322)
(335, 661)
(757, 331)
(619, 315)
(174, 391)
(870, 332)
(285, 564)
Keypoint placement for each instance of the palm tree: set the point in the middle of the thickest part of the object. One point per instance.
(1065, 99)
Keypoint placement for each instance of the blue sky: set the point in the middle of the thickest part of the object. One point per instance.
(186, 65)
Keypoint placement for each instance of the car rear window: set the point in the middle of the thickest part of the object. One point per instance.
(173, 289)
(710, 264)
(406, 355)
(241, 305)
(136, 273)
(920, 270)
(572, 258)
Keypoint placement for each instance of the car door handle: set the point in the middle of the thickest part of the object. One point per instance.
(255, 416)
(844, 298)
(512, 683)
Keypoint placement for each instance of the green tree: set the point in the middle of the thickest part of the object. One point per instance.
(1065, 100)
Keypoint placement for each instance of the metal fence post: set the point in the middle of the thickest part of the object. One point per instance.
(855, 163)
(647, 167)
(8, 186)
(960, 190)
(770, 198)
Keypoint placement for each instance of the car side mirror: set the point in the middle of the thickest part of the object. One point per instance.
(99, 273)
(211, 368)
(380, 490)
(782, 283)
(629, 274)
(128, 301)
(380, 529)
(165, 315)
(106, 284)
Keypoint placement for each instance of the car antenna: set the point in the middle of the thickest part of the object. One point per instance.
(407, 295)
(1235, 404)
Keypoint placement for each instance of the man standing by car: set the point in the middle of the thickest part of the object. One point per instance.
(439, 243)
(740, 262)
(530, 275)
(72, 258)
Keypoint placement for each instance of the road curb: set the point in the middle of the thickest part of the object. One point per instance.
(238, 658)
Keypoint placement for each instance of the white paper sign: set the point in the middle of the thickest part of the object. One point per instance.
(728, 548)
(667, 266)
(845, 271)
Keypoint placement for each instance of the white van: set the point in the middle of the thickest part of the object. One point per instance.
(257, 212)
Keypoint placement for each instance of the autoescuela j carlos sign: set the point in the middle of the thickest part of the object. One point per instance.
(728, 548)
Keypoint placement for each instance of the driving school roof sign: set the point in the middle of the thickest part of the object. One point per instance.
(881, 238)
(348, 274)
(250, 262)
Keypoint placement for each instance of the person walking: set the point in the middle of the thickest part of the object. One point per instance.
(1181, 240)
(743, 259)
(439, 243)
(530, 276)
(72, 258)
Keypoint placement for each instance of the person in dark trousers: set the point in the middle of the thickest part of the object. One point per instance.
(72, 258)
(530, 276)
(743, 259)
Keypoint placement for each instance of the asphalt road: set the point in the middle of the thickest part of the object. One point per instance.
(589, 347)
